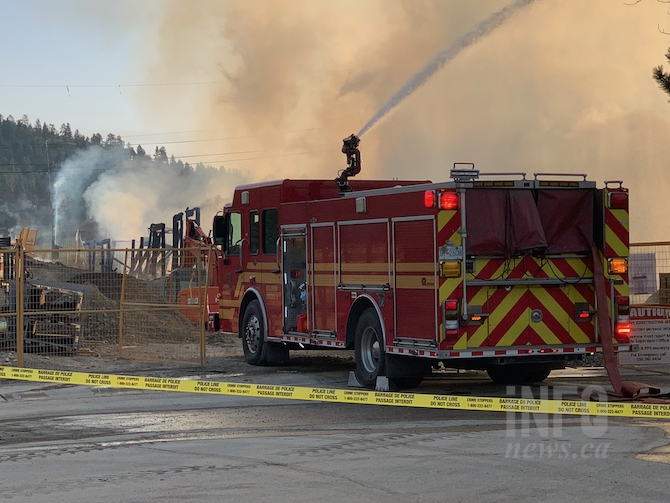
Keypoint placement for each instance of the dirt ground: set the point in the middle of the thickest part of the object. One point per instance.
(224, 355)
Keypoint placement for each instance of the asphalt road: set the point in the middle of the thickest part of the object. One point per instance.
(84, 445)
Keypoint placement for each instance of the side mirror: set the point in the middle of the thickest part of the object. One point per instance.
(220, 230)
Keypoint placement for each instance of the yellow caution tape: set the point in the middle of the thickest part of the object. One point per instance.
(572, 407)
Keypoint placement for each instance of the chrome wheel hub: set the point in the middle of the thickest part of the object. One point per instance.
(252, 334)
(370, 350)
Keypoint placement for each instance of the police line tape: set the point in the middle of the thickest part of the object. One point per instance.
(499, 404)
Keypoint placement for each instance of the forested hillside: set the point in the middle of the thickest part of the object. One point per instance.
(31, 158)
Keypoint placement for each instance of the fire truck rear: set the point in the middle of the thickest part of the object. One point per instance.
(509, 273)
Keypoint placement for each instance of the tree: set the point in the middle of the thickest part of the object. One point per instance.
(66, 131)
(130, 151)
(113, 141)
(79, 140)
(161, 155)
(141, 152)
(662, 78)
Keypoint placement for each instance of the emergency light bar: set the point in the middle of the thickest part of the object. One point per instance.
(462, 174)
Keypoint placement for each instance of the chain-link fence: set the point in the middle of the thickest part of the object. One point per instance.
(142, 305)
(8, 308)
(150, 304)
(649, 273)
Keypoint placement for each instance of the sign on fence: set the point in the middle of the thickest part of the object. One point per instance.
(651, 331)
(642, 275)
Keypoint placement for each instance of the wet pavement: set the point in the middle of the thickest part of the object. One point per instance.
(86, 444)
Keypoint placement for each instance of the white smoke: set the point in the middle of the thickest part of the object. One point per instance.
(123, 196)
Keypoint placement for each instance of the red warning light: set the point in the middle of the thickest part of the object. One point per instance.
(618, 200)
(448, 201)
(622, 332)
(451, 305)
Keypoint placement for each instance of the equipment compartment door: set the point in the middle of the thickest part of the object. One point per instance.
(415, 298)
(535, 315)
(551, 315)
(509, 318)
(324, 270)
(294, 252)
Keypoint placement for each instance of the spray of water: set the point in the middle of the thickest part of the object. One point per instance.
(446, 55)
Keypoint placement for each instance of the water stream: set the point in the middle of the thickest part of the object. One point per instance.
(444, 56)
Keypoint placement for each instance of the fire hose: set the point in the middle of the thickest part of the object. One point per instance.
(623, 390)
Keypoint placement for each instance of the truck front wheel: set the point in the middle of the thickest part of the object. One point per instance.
(257, 350)
(369, 348)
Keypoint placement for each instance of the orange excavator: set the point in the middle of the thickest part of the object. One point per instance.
(196, 276)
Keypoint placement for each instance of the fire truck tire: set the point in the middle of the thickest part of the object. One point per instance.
(257, 350)
(369, 348)
(537, 374)
(406, 382)
(508, 374)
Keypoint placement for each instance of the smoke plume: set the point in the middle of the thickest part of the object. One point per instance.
(110, 195)
(562, 87)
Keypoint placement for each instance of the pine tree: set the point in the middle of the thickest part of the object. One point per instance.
(662, 78)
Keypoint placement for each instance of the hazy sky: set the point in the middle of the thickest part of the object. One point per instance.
(57, 43)
(270, 87)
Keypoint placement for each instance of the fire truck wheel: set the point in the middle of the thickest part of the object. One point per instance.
(369, 348)
(258, 351)
(508, 374)
(407, 382)
(537, 374)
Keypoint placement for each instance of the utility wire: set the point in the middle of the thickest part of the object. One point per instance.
(114, 86)
(134, 167)
(216, 153)
(207, 130)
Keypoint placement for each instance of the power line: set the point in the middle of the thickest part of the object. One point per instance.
(134, 167)
(193, 141)
(246, 152)
(268, 157)
(207, 130)
(115, 86)
(175, 132)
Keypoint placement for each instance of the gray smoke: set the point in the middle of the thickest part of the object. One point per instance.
(110, 195)
(75, 176)
(443, 57)
(563, 86)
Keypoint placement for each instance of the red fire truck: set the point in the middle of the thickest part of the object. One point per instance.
(507, 273)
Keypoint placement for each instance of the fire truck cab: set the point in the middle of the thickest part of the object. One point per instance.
(496, 272)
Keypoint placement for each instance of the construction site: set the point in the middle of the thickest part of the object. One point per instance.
(99, 302)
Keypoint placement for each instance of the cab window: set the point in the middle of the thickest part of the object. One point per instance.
(234, 226)
(270, 230)
(254, 235)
